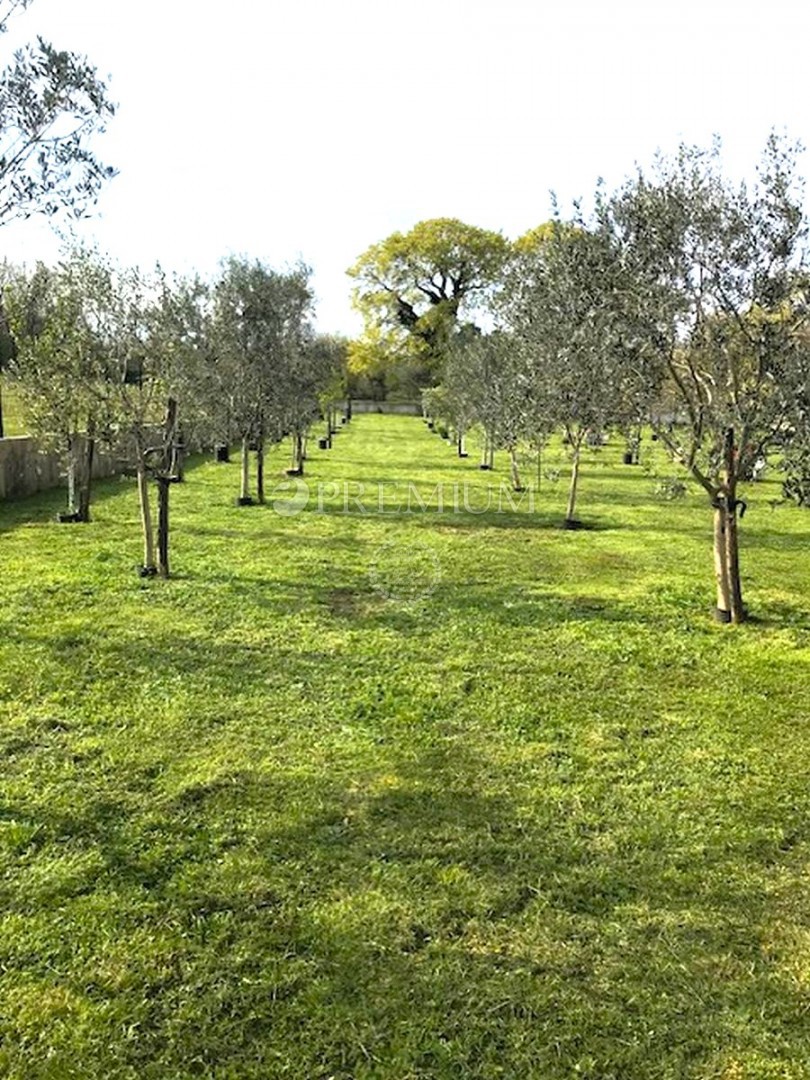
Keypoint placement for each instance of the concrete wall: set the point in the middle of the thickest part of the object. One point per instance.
(24, 469)
(400, 408)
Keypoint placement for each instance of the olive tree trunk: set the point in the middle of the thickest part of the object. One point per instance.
(178, 455)
(732, 537)
(244, 487)
(730, 607)
(723, 608)
(738, 612)
(164, 479)
(163, 486)
(488, 452)
(514, 470)
(71, 477)
(85, 487)
(572, 487)
(298, 453)
(146, 518)
(260, 469)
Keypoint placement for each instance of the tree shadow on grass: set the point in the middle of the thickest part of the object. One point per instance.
(421, 907)
(438, 918)
(43, 506)
(528, 941)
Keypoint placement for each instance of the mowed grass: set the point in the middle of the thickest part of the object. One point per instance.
(376, 795)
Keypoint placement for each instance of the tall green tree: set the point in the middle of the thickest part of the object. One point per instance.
(414, 288)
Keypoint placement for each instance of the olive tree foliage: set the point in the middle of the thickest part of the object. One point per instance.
(329, 362)
(711, 314)
(258, 332)
(558, 307)
(457, 398)
(181, 331)
(139, 358)
(485, 383)
(795, 451)
(51, 104)
(59, 318)
(308, 375)
(413, 289)
(169, 334)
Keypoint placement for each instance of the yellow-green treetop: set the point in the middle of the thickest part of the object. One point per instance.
(415, 285)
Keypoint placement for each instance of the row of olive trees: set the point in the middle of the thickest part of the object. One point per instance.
(682, 303)
(144, 364)
(679, 302)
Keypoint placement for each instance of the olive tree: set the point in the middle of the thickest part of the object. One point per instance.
(711, 311)
(257, 319)
(329, 356)
(61, 365)
(558, 307)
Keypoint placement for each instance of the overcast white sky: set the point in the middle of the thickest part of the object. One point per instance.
(313, 128)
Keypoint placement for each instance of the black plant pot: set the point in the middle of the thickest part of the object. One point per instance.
(463, 454)
(323, 444)
(722, 616)
(221, 452)
(68, 517)
(628, 458)
(430, 425)
(245, 500)
(147, 571)
(294, 472)
(572, 524)
(485, 467)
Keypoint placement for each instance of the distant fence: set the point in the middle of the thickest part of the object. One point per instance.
(399, 408)
(25, 469)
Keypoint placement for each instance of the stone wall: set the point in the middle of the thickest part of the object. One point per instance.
(400, 408)
(24, 469)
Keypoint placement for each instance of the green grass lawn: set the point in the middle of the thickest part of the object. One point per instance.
(387, 795)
